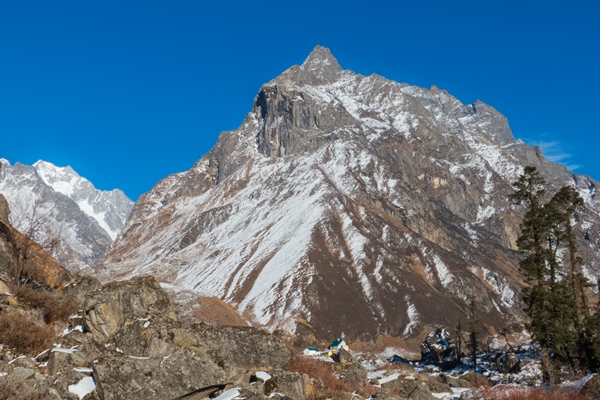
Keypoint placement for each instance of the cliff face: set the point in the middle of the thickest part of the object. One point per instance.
(358, 204)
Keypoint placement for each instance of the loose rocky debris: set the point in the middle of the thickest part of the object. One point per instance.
(127, 343)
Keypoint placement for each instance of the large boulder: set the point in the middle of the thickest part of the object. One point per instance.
(292, 384)
(438, 348)
(475, 379)
(128, 377)
(118, 304)
(439, 384)
(242, 346)
(353, 374)
(402, 386)
(81, 287)
(421, 392)
(508, 363)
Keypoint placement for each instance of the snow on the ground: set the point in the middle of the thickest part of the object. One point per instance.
(229, 395)
(455, 395)
(63, 350)
(389, 378)
(575, 386)
(263, 375)
(83, 387)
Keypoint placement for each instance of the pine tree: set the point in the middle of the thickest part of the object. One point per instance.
(459, 340)
(529, 190)
(565, 204)
(473, 330)
(554, 299)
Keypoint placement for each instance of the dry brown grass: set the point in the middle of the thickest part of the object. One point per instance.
(22, 334)
(318, 370)
(523, 393)
(215, 310)
(54, 306)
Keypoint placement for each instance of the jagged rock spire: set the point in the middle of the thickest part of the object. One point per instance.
(319, 68)
(322, 65)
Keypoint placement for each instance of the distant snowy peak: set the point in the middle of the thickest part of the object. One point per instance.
(62, 179)
(97, 204)
(61, 203)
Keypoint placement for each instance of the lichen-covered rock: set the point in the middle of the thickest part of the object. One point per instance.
(292, 384)
(439, 384)
(421, 392)
(353, 374)
(244, 346)
(118, 304)
(82, 286)
(127, 377)
(476, 380)
(403, 386)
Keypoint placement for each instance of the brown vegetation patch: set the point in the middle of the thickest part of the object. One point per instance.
(317, 370)
(411, 345)
(35, 263)
(524, 393)
(22, 334)
(215, 310)
(54, 306)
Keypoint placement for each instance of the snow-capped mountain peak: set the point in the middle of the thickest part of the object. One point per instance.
(94, 203)
(356, 203)
(58, 202)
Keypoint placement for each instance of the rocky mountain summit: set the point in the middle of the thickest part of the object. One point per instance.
(63, 211)
(352, 205)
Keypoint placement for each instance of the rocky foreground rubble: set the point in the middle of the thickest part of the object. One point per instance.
(131, 345)
(127, 343)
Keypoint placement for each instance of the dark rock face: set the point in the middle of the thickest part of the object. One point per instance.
(508, 363)
(438, 348)
(353, 204)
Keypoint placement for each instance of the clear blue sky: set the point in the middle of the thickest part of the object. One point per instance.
(127, 92)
